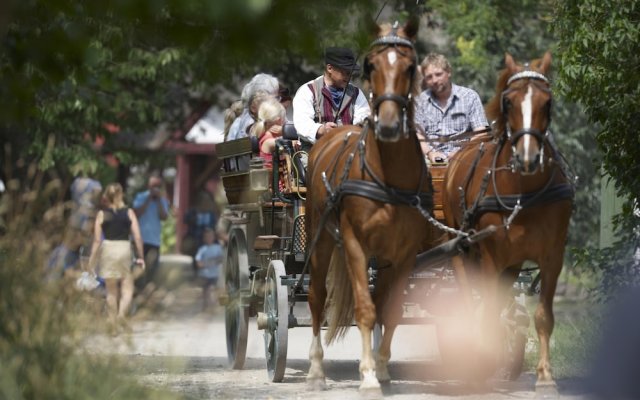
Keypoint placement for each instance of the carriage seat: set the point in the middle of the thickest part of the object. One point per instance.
(236, 157)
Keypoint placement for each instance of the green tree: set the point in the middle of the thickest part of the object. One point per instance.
(69, 68)
(599, 43)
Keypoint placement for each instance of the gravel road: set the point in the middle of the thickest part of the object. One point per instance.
(179, 347)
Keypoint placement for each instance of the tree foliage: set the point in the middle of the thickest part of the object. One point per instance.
(600, 46)
(599, 43)
(70, 68)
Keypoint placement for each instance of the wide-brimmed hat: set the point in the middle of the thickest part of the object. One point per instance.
(341, 57)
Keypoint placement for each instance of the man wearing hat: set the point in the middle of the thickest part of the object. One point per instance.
(330, 100)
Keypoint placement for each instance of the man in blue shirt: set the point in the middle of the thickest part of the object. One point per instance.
(151, 208)
(445, 109)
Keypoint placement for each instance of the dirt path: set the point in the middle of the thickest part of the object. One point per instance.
(179, 347)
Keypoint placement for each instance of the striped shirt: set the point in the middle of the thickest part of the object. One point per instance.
(463, 112)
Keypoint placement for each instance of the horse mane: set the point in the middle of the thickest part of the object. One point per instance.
(493, 109)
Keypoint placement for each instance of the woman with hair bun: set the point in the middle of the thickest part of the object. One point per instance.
(118, 224)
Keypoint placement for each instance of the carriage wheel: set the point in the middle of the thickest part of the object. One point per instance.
(236, 313)
(516, 338)
(277, 321)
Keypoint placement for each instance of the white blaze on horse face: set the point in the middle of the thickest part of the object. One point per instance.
(392, 57)
(527, 107)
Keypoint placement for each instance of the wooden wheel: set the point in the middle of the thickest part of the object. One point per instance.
(517, 324)
(236, 313)
(276, 317)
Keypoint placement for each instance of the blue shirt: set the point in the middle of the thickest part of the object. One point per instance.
(150, 224)
(463, 112)
(211, 256)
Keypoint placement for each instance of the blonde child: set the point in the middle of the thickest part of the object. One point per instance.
(271, 117)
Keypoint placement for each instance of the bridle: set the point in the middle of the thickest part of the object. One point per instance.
(397, 42)
(540, 135)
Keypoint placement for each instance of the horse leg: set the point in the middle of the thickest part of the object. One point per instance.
(365, 311)
(490, 333)
(458, 264)
(317, 297)
(391, 315)
(544, 319)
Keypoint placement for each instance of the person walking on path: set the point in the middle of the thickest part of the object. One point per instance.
(117, 223)
(209, 261)
(85, 196)
(151, 208)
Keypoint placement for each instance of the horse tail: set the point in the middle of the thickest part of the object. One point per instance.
(340, 305)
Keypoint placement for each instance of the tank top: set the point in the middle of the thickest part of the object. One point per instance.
(116, 224)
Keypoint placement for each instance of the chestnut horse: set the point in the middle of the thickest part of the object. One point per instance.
(518, 183)
(368, 188)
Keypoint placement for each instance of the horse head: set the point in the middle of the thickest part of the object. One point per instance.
(390, 67)
(525, 107)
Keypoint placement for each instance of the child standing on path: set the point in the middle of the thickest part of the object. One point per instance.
(209, 261)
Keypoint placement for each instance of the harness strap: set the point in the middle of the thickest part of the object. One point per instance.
(563, 191)
(390, 195)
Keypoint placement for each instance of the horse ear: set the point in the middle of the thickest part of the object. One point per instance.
(372, 27)
(411, 27)
(545, 64)
(509, 63)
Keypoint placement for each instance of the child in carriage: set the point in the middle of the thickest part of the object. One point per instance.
(271, 118)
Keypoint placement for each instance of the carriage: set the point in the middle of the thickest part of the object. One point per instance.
(265, 276)
(504, 200)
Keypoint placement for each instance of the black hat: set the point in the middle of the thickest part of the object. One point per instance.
(341, 57)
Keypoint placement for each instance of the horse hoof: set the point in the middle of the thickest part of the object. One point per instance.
(383, 378)
(316, 384)
(546, 390)
(370, 393)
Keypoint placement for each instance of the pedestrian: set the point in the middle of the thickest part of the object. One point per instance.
(209, 261)
(117, 224)
(151, 207)
(201, 216)
(444, 109)
(331, 99)
(85, 202)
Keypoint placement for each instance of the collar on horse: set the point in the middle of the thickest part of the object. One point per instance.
(375, 189)
(513, 203)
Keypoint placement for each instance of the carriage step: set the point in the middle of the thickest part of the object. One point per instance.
(267, 242)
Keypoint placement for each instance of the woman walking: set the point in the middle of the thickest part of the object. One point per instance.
(117, 223)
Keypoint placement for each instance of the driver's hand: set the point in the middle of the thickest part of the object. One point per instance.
(437, 157)
(325, 128)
